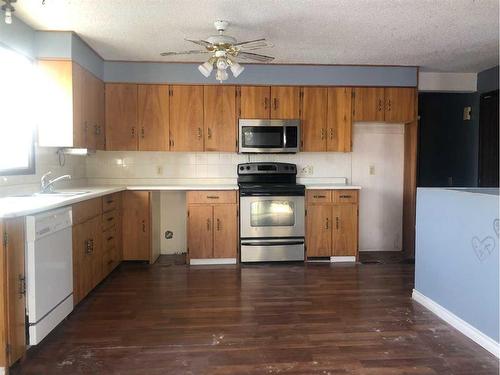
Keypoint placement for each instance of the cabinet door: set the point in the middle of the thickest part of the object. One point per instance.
(399, 104)
(95, 234)
(345, 230)
(100, 128)
(368, 104)
(15, 289)
(186, 118)
(82, 261)
(339, 119)
(89, 105)
(285, 102)
(79, 120)
(314, 118)
(319, 230)
(200, 231)
(220, 118)
(255, 102)
(136, 225)
(225, 230)
(153, 116)
(121, 117)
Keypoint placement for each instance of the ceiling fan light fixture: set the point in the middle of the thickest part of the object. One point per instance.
(236, 68)
(221, 75)
(221, 63)
(206, 68)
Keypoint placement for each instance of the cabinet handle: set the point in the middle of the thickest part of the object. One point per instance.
(22, 285)
(322, 133)
(143, 226)
(110, 218)
(212, 197)
(389, 105)
(142, 132)
(327, 223)
(344, 196)
(133, 131)
(337, 223)
(96, 130)
(319, 196)
(266, 103)
(218, 224)
(88, 248)
(275, 103)
(91, 245)
(199, 133)
(110, 238)
(208, 225)
(331, 133)
(209, 133)
(380, 105)
(109, 201)
(172, 142)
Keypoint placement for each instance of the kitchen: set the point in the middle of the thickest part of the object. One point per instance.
(165, 173)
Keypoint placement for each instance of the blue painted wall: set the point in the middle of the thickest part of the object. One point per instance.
(19, 37)
(487, 80)
(453, 267)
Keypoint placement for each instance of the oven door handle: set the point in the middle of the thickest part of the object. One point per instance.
(272, 243)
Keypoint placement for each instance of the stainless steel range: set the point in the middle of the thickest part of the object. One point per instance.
(272, 224)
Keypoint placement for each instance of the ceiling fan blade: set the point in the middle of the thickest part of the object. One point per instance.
(257, 45)
(249, 41)
(255, 56)
(203, 43)
(191, 52)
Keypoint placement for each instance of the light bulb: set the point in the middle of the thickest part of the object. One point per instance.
(206, 69)
(236, 69)
(8, 16)
(221, 63)
(221, 75)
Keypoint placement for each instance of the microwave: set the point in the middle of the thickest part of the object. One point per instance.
(269, 136)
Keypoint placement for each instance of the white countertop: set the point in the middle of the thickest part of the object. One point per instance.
(27, 205)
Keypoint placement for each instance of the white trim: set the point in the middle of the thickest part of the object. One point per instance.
(342, 259)
(461, 325)
(2, 371)
(210, 261)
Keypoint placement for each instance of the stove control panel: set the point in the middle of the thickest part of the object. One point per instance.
(266, 168)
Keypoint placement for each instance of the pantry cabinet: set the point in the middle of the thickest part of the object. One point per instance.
(212, 224)
(136, 225)
(71, 107)
(121, 117)
(219, 118)
(390, 104)
(332, 223)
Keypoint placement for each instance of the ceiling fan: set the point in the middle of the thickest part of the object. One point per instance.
(224, 50)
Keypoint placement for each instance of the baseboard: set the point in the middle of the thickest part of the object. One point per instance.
(2, 371)
(342, 259)
(459, 324)
(210, 261)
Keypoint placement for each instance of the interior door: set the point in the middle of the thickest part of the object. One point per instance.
(345, 229)
(285, 102)
(488, 140)
(339, 119)
(314, 118)
(186, 118)
(225, 231)
(219, 113)
(319, 230)
(399, 104)
(200, 231)
(136, 225)
(255, 102)
(153, 117)
(121, 117)
(368, 104)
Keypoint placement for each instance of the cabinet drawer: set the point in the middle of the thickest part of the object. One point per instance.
(319, 196)
(109, 219)
(211, 197)
(345, 196)
(86, 210)
(110, 202)
(109, 239)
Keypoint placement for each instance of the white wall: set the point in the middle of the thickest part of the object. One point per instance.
(380, 145)
(447, 82)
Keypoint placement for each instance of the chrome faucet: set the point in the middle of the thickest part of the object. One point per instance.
(47, 185)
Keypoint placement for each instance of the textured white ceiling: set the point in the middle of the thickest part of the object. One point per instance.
(438, 35)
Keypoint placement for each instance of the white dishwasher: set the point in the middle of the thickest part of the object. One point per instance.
(49, 271)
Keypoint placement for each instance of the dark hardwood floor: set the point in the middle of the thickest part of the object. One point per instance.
(262, 319)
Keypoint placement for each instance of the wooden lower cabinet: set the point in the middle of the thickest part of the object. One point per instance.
(332, 223)
(212, 227)
(136, 225)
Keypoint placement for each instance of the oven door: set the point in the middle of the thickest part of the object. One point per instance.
(272, 217)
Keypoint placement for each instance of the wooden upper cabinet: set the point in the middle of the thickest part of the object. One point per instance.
(345, 229)
(255, 102)
(285, 102)
(186, 118)
(368, 104)
(339, 119)
(200, 231)
(136, 225)
(121, 117)
(399, 104)
(319, 230)
(153, 117)
(219, 118)
(225, 230)
(314, 118)
(79, 125)
(100, 120)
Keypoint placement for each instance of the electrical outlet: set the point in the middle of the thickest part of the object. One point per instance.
(159, 170)
(372, 170)
(308, 170)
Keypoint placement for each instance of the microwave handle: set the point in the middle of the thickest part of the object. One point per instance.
(284, 137)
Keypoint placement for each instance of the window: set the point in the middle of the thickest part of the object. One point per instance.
(17, 85)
